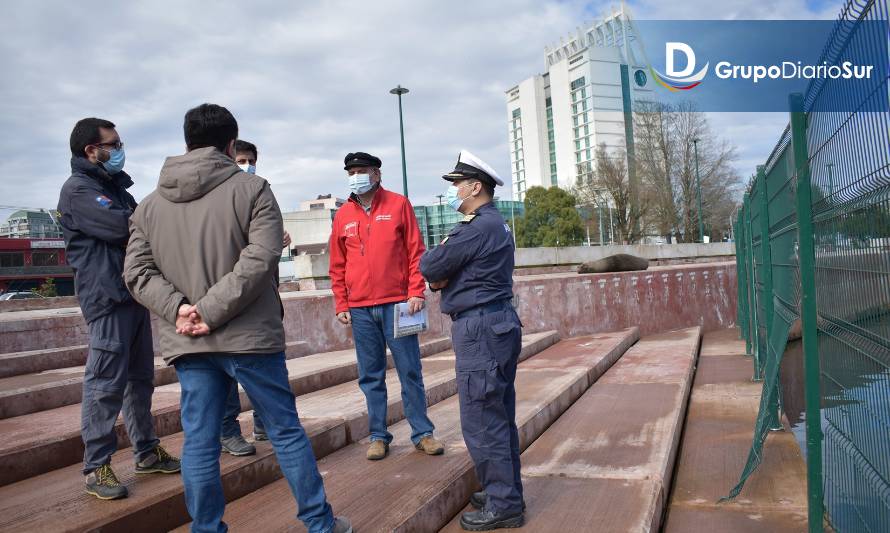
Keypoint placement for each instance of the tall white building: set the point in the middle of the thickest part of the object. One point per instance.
(557, 119)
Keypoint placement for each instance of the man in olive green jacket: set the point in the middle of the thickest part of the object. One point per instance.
(203, 253)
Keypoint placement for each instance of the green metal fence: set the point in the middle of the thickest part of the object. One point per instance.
(813, 244)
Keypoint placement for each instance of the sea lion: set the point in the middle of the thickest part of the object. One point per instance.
(614, 263)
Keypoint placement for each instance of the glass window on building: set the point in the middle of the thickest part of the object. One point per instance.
(516, 113)
(12, 259)
(45, 258)
(577, 84)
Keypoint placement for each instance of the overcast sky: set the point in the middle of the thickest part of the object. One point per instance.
(307, 81)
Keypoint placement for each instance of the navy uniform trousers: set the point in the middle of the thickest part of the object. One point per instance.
(119, 375)
(487, 347)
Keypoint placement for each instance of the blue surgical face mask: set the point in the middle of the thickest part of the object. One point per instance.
(452, 196)
(360, 183)
(115, 162)
(250, 169)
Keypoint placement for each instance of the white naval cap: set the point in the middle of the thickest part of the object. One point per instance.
(470, 166)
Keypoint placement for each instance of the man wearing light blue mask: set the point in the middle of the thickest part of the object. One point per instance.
(375, 250)
(95, 210)
(231, 439)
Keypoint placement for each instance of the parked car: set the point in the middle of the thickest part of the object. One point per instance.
(21, 295)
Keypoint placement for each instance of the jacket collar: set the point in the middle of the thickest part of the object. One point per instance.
(375, 201)
(82, 165)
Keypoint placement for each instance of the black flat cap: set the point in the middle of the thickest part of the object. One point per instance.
(361, 159)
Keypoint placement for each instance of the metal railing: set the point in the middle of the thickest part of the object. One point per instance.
(813, 245)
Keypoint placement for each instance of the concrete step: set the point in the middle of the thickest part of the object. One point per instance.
(18, 363)
(723, 409)
(30, 393)
(56, 501)
(39, 442)
(605, 465)
(409, 491)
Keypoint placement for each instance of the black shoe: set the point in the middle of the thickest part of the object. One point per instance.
(479, 499)
(484, 520)
(260, 435)
(159, 462)
(237, 446)
(103, 484)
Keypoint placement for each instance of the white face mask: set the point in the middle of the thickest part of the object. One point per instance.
(360, 183)
(250, 169)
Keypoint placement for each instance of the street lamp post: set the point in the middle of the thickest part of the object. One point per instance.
(441, 224)
(701, 227)
(399, 91)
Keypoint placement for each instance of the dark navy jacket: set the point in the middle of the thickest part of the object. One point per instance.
(477, 260)
(94, 212)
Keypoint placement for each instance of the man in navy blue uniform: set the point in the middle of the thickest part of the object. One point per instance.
(94, 212)
(473, 267)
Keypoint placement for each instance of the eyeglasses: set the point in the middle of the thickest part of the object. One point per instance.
(114, 146)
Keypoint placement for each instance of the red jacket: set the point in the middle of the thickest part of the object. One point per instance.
(375, 259)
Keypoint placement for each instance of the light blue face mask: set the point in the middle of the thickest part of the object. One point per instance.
(360, 183)
(115, 162)
(250, 169)
(452, 196)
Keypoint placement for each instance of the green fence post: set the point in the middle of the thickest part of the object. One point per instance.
(766, 259)
(769, 311)
(752, 285)
(741, 276)
(807, 260)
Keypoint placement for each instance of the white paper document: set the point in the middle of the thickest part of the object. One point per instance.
(405, 324)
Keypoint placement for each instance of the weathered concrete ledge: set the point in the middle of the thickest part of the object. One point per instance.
(657, 300)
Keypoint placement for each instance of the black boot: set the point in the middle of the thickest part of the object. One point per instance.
(485, 520)
(479, 499)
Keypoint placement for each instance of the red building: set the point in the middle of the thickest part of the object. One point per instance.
(26, 263)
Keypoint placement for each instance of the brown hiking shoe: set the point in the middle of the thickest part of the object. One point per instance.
(377, 450)
(430, 446)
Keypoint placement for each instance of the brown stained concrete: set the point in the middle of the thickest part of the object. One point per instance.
(599, 505)
(605, 463)
(31, 393)
(717, 439)
(412, 492)
(18, 363)
(155, 502)
(655, 300)
(25, 453)
(56, 501)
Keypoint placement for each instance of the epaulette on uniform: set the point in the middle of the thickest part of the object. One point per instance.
(467, 219)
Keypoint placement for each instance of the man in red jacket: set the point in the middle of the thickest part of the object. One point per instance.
(375, 252)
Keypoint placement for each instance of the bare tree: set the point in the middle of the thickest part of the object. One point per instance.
(665, 152)
(609, 186)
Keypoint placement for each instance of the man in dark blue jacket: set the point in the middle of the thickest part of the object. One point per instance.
(95, 210)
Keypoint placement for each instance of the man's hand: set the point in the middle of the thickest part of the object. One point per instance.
(436, 285)
(345, 318)
(189, 322)
(415, 304)
(287, 241)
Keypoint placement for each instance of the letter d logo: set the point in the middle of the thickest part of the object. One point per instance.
(682, 80)
(669, 52)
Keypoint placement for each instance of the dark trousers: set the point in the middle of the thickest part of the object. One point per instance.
(119, 376)
(487, 347)
(230, 425)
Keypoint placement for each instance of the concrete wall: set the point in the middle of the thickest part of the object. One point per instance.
(656, 300)
(528, 257)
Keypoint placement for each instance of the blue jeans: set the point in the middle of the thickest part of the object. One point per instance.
(372, 330)
(206, 381)
(230, 425)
